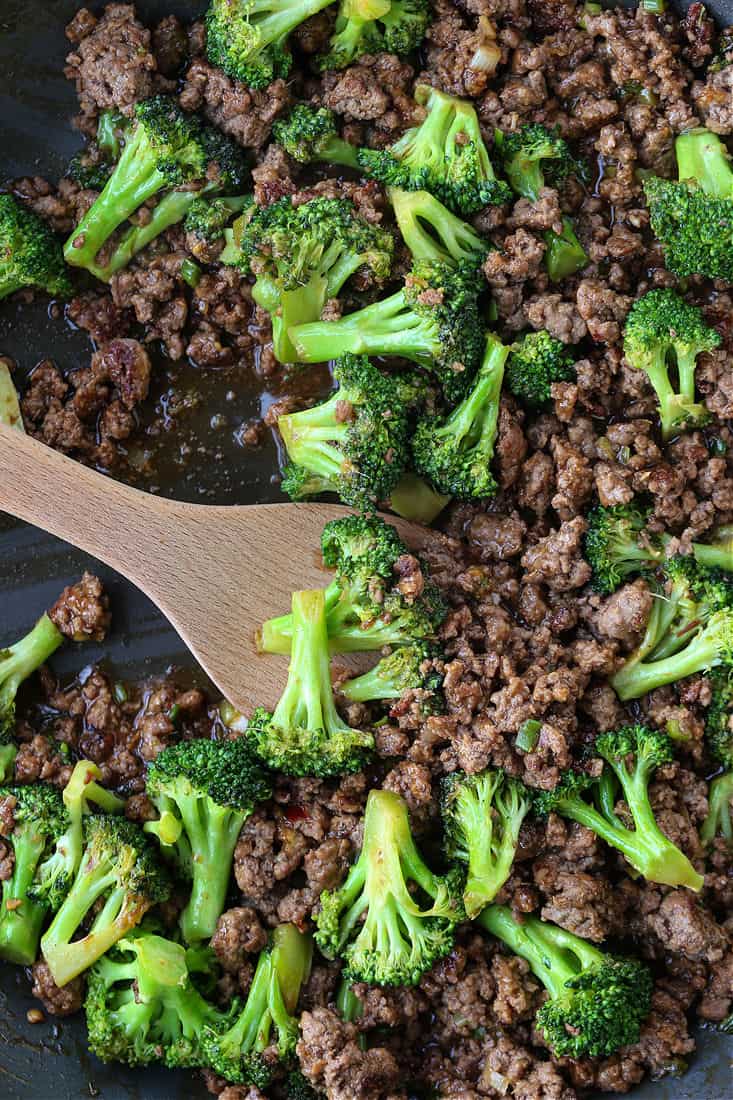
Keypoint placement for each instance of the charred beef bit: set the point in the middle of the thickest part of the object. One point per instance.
(124, 363)
(332, 1060)
(245, 114)
(112, 65)
(98, 315)
(238, 934)
(56, 1001)
(82, 611)
(556, 560)
(376, 90)
(699, 30)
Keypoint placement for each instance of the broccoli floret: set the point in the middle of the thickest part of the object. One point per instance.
(534, 363)
(632, 754)
(56, 874)
(91, 167)
(120, 871)
(301, 257)
(663, 331)
(618, 545)
(263, 1037)
(723, 56)
(30, 253)
(372, 26)
(142, 1007)
(34, 820)
(719, 717)
(482, 816)
(309, 134)
(401, 936)
(204, 791)
(597, 1001)
(167, 151)
(531, 157)
(445, 155)
(719, 820)
(248, 39)
(296, 1087)
(354, 444)
(455, 453)
(207, 219)
(432, 232)
(693, 216)
(18, 662)
(717, 554)
(689, 630)
(433, 321)
(305, 734)
(408, 668)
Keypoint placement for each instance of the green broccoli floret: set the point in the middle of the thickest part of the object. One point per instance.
(19, 661)
(302, 256)
(142, 1007)
(120, 871)
(632, 754)
(433, 321)
(92, 166)
(445, 155)
(617, 545)
(717, 554)
(309, 134)
(354, 444)
(432, 233)
(689, 630)
(719, 717)
(33, 821)
(407, 668)
(372, 26)
(535, 362)
(482, 816)
(531, 157)
(82, 794)
(248, 39)
(719, 820)
(296, 1087)
(204, 791)
(263, 1037)
(455, 453)
(305, 734)
(165, 150)
(693, 216)
(597, 1001)
(664, 333)
(401, 935)
(30, 253)
(207, 219)
(365, 610)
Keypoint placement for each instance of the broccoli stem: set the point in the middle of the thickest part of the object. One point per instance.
(21, 919)
(20, 660)
(473, 423)
(388, 327)
(703, 158)
(370, 687)
(703, 652)
(276, 635)
(718, 554)
(719, 820)
(554, 955)
(308, 701)
(309, 439)
(413, 499)
(430, 231)
(8, 753)
(213, 837)
(337, 151)
(564, 254)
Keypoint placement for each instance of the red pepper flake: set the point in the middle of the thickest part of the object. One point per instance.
(296, 813)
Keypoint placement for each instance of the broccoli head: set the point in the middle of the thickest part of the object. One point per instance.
(30, 254)
(663, 333)
(305, 734)
(482, 816)
(535, 362)
(432, 233)
(263, 1037)
(693, 216)
(33, 820)
(207, 219)
(354, 444)
(92, 166)
(445, 155)
(18, 662)
(719, 819)
(632, 755)
(617, 545)
(248, 39)
(433, 321)
(82, 794)
(407, 668)
(719, 717)
(142, 1006)
(309, 134)
(204, 791)
(455, 453)
(402, 934)
(301, 257)
(119, 879)
(597, 1002)
(372, 26)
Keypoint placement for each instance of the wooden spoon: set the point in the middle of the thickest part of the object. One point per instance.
(215, 572)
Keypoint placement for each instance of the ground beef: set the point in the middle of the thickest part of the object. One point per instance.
(59, 1002)
(332, 1060)
(238, 934)
(374, 91)
(82, 611)
(244, 113)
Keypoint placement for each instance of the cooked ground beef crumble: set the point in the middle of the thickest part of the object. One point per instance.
(525, 637)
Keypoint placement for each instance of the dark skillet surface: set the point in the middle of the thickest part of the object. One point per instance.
(50, 1060)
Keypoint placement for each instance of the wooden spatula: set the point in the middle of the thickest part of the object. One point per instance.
(215, 572)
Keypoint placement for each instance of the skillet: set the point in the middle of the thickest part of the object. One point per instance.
(50, 1061)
